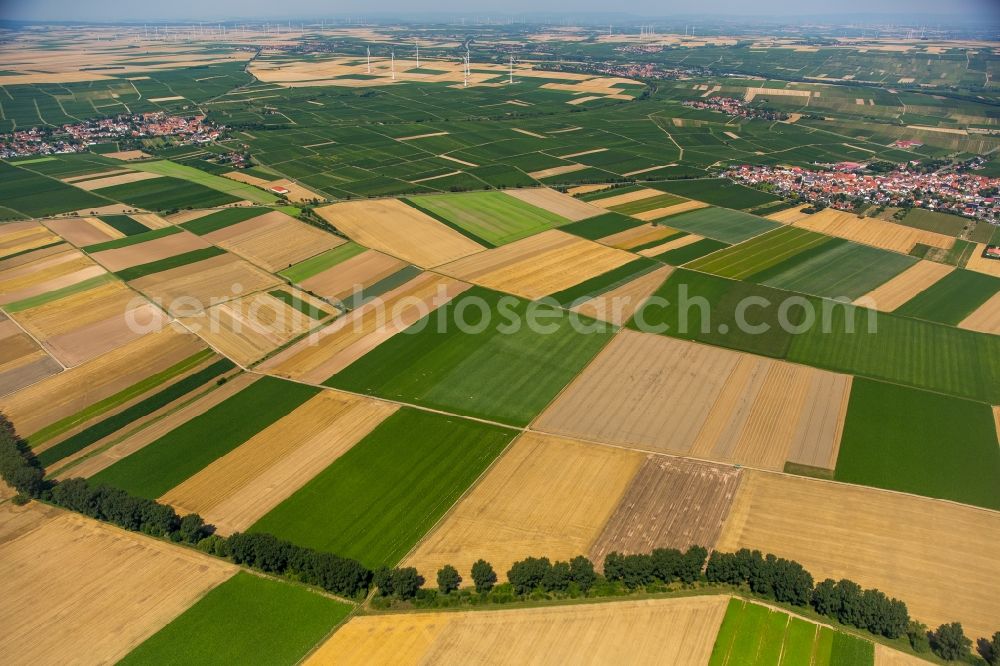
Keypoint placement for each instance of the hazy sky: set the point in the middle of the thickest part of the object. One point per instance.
(962, 11)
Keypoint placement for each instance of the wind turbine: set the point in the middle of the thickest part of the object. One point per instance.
(368, 51)
(392, 54)
(417, 44)
(511, 79)
(465, 72)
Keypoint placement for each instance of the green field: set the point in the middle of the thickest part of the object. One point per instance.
(893, 438)
(651, 203)
(379, 498)
(721, 224)
(247, 619)
(952, 298)
(124, 224)
(755, 255)
(33, 195)
(751, 634)
(321, 262)
(222, 219)
(696, 250)
(717, 192)
(495, 217)
(600, 226)
(929, 220)
(507, 376)
(605, 282)
(160, 265)
(166, 193)
(154, 469)
(228, 186)
(133, 239)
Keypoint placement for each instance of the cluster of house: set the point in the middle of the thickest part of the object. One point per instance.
(846, 185)
(735, 107)
(77, 137)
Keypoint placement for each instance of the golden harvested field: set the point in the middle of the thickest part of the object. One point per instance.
(361, 270)
(667, 211)
(789, 215)
(389, 225)
(233, 492)
(556, 202)
(618, 305)
(153, 250)
(986, 317)
(918, 277)
(670, 503)
(539, 265)
(83, 230)
(274, 240)
(87, 324)
(671, 245)
(586, 189)
(67, 393)
(680, 397)
(111, 181)
(126, 155)
(641, 235)
(247, 329)
(43, 271)
(546, 496)
(203, 283)
(128, 442)
(939, 557)
(680, 632)
(980, 264)
(22, 361)
(104, 590)
(628, 197)
(322, 354)
(556, 171)
(20, 236)
(885, 656)
(242, 177)
(872, 231)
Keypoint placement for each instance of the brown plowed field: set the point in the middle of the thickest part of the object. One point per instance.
(22, 361)
(83, 231)
(547, 496)
(918, 277)
(939, 557)
(538, 265)
(67, 393)
(618, 305)
(79, 591)
(393, 227)
(362, 270)
(274, 240)
(680, 632)
(670, 503)
(37, 273)
(680, 397)
(20, 236)
(150, 251)
(322, 354)
(233, 492)
(556, 202)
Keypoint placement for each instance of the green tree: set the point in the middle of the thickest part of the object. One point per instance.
(949, 642)
(406, 582)
(527, 574)
(448, 579)
(916, 633)
(483, 576)
(382, 579)
(992, 650)
(581, 572)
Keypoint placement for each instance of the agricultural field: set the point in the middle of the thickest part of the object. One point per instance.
(721, 224)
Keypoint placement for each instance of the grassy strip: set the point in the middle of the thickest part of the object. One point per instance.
(952, 298)
(98, 408)
(188, 448)
(246, 620)
(448, 223)
(299, 304)
(388, 490)
(183, 259)
(56, 294)
(31, 249)
(682, 255)
(892, 439)
(222, 219)
(324, 261)
(400, 277)
(143, 237)
(600, 284)
(124, 224)
(594, 228)
(143, 408)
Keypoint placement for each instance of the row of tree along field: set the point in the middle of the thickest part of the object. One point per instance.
(533, 578)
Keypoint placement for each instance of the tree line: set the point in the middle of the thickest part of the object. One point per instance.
(21, 470)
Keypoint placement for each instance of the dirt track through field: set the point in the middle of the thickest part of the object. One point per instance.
(915, 279)
(680, 632)
(684, 398)
(79, 591)
(389, 225)
(670, 503)
(546, 496)
(939, 557)
(233, 492)
(538, 265)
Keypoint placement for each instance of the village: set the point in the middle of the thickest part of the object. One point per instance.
(847, 185)
(79, 137)
(736, 107)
